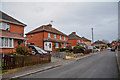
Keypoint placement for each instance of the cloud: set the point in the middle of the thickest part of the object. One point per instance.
(69, 16)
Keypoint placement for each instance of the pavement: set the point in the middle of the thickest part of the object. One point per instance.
(55, 62)
(102, 65)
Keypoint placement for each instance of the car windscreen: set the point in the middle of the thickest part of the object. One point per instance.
(39, 49)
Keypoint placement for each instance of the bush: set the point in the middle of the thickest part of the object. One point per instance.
(23, 50)
(87, 51)
(67, 51)
(60, 49)
(79, 47)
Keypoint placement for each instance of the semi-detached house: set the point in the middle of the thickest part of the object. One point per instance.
(47, 37)
(11, 33)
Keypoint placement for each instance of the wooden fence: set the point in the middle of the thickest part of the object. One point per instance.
(10, 62)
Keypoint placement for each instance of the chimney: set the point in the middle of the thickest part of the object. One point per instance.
(74, 33)
(49, 25)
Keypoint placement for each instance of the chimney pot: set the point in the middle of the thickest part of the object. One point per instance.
(73, 32)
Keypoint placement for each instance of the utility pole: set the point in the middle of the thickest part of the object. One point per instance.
(92, 39)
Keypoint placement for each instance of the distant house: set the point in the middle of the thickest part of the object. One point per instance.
(12, 33)
(99, 43)
(86, 41)
(47, 37)
(75, 40)
(115, 43)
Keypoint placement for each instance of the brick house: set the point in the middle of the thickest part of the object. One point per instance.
(115, 43)
(47, 37)
(86, 41)
(99, 43)
(12, 33)
(75, 40)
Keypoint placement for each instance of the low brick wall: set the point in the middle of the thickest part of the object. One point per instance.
(58, 54)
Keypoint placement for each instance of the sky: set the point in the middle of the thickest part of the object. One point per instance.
(68, 17)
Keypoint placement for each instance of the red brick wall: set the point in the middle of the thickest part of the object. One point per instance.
(37, 39)
(73, 42)
(16, 28)
(88, 43)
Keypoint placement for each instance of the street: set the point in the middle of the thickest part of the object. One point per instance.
(101, 65)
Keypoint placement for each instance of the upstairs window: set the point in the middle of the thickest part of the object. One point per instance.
(64, 38)
(4, 26)
(60, 37)
(55, 36)
(49, 35)
(31, 36)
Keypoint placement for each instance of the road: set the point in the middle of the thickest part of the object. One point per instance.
(102, 65)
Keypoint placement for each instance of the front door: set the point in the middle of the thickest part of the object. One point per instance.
(48, 46)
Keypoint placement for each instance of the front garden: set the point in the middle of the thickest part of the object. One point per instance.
(70, 53)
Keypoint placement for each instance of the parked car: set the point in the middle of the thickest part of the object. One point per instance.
(37, 50)
(108, 48)
(94, 48)
(113, 49)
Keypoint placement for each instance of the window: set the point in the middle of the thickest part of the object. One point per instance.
(56, 45)
(79, 41)
(6, 42)
(31, 36)
(64, 38)
(55, 36)
(49, 35)
(4, 26)
(60, 37)
(64, 45)
(49, 45)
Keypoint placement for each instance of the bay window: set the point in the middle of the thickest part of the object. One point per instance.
(6, 42)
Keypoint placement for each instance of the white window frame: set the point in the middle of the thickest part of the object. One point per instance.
(55, 36)
(64, 38)
(60, 37)
(64, 45)
(56, 45)
(6, 45)
(49, 35)
(4, 26)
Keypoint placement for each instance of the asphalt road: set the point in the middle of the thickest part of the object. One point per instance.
(102, 65)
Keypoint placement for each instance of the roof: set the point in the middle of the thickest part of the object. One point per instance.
(85, 39)
(9, 19)
(55, 40)
(98, 42)
(47, 28)
(73, 36)
(11, 35)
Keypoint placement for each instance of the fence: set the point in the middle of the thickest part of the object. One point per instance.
(59, 54)
(10, 62)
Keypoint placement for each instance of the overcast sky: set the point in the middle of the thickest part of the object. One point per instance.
(68, 17)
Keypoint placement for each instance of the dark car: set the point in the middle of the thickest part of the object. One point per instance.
(113, 49)
(37, 50)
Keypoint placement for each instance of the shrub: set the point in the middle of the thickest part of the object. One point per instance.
(81, 54)
(79, 47)
(67, 51)
(23, 50)
(60, 49)
(87, 51)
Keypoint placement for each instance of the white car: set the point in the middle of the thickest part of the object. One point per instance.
(108, 48)
(94, 48)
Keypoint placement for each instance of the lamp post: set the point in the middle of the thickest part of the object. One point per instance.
(92, 39)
